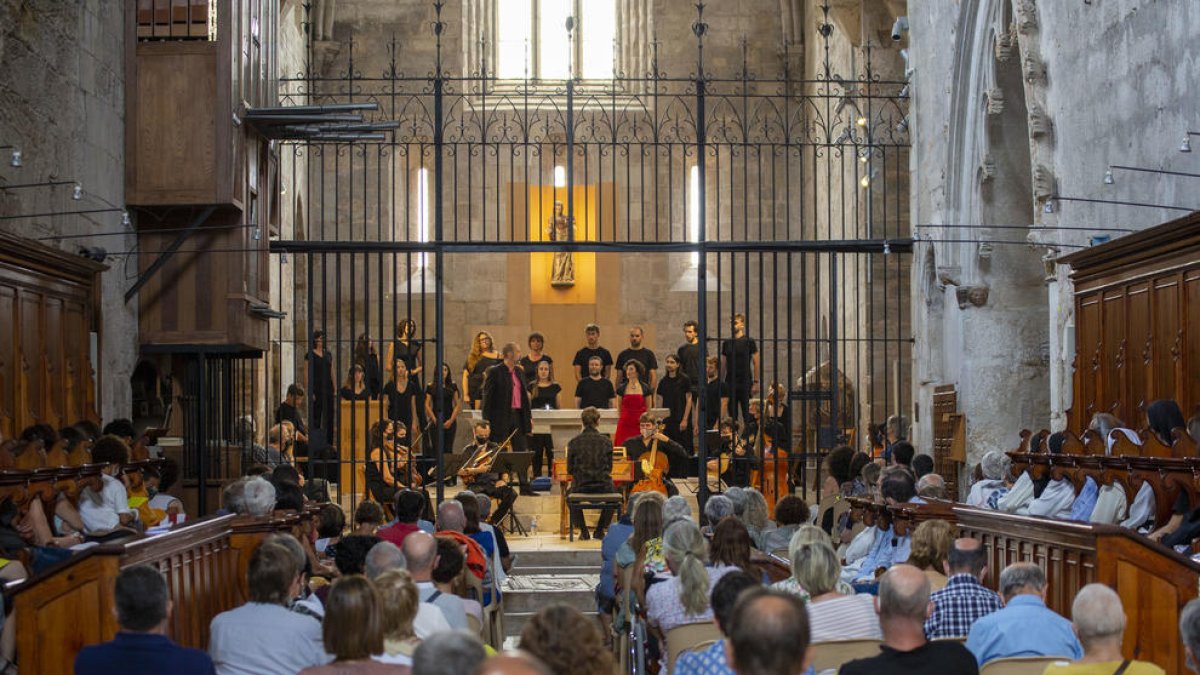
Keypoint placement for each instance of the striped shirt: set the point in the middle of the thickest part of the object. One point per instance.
(848, 617)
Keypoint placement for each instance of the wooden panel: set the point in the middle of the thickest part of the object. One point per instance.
(74, 606)
(1164, 357)
(8, 361)
(1114, 351)
(1087, 359)
(1135, 389)
(1188, 343)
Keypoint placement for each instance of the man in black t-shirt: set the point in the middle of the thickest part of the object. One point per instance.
(591, 349)
(675, 392)
(637, 352)
(740, 361)
(689, 352)
(903, 606)
(595, 390)
(289, 410)
(716, 396)
(535, 356)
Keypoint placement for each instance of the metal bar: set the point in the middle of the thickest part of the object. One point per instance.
(166, 254)
(808, 246)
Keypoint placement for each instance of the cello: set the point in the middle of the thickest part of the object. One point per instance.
(654, 466)
(775, 469)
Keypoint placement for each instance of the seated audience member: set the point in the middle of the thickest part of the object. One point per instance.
(1099, 621)
(368, 518)
(675, 509)
(931, 543)
(144, 615)
(351, 556)
(897, 487)
(903, 605)
(1089, 494)
(289, 497)
(453, 653)
(837, 472)
(566, 641)
(922, 465)
(331, 523)
(768, 634)
(258, 498)
(1025, 626)
(157, 485)
(964, 599)
(305, 603)
(717, 507)
(420, 550)
(1058, 496)
(755, 517)
(642, 553)
(108, 508)
(832, 615)
(451, 522)
(994, 470)
(712, 659)
(1189, 632)
(514, 663)
(730, 545)
(263, 636)
(385, 557)
(902, 455)
(398, 603)
(683, 598)
(409, 504)
(931, 486)
(790, 513)
(446, 574)
(486, 540)
(737, 495)
(353, 630)
(502, 557)
(618, 533)
(233, 497)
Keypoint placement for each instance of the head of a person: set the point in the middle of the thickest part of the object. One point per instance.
(409, 504)
(510, 352)
(448, 653)
(112, 451)
(896, 485)
(406, 327)
(318, 338)
(769, 634)
(791, 511)
(691, 330)
(686, 553)
(731, 544)
(992, 465)
(121, 428)
(354, 377)
(285, 473)
(860, 460)
(450, 516)
(711, 366)
(896, 428)
(233, 496)
(383, 557)
(450, 561)
(725, 596)
(716, 508)
(1104, 423)
(672, 364)
(647, 522)
(595, 367)
(536, 341)
(141, 599)
(543, 371)
(567, 641)
(903, 597)
(484, 503)
(1163, 417)
(351, 554)
(903, 453)
(922, 465)
(636, 335)
(295, 394)
(870, 475)
(245, 430)
(470, 510)
(966, 556)
(737, 495)
(1189, 633)
(420, 551)
(738, 322)
(1023, 578)
(837, 463)
(514, 662)
(272, 577)
(1097, 617)
(382, 432)
(352, 602)
(398, 603)
(258, 497)
(482, 430)
(727, 427)
(931, 543)
(294, 547)
(634, 370)
(288, 496)
(399, 368)
(589, 417)
(591, 333)
(931, 485)
(756, 514)
(675, 509)
(815, 566)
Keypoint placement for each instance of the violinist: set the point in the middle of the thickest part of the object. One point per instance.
(387, 467)
(639, 449)
(736, 459)
(478, 472)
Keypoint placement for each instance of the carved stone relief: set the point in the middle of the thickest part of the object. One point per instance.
(995, 100)
(1043, 182)
(1039, 122)
(974, 296)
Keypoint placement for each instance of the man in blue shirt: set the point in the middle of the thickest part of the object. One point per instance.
(142, 645)
(1025, 627)
(897, 486)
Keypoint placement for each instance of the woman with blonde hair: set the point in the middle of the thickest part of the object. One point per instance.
(483, 355)
(353, 630)
(755, 517)
(931, 543)
(807, 534)
(683, 598)
(399, 601)
(832, 614)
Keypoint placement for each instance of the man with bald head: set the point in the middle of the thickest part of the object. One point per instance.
(903, 605)
(768, 634)
(513, 663)
(964, 599)
(1098, 620)
(1025, 627)
(420, 551)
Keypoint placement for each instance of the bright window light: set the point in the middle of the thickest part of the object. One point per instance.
(514, 25)
(422, 214)
(560, 176)
(598, 31)
(554, 50)
(693, 210)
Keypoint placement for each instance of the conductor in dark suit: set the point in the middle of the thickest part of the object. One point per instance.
(506, 404)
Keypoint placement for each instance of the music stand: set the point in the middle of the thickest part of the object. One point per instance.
(518, 464)
(450, 466)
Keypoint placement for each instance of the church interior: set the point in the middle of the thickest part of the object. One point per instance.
(577, 293)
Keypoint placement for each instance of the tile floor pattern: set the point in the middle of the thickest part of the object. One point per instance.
(552, 582)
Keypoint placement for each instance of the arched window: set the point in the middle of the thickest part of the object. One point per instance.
(532, 41)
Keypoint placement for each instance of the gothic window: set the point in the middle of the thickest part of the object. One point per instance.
(531, 39)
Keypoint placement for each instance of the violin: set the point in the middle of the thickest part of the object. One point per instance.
(654, 466)
(482, 461)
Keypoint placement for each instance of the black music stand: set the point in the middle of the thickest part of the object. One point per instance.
(517, 464)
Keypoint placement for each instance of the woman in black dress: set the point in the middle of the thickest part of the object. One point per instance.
(320, 386)
(366, 356)
(450, 406)
(407, 347)
(403, 397)
(543, 395)
(675, 393)
(355, 387)
(483, 356)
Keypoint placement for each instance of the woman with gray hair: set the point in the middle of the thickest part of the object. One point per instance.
(994, 470)
(755, 517)
(258, 497)
(716, 508)
(676, 508)
(683, 598)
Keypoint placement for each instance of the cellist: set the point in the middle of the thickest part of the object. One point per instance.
(655, 448)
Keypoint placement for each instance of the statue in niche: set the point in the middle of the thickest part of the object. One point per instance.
(562, 273)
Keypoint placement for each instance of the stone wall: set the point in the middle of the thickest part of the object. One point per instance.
(62, 87)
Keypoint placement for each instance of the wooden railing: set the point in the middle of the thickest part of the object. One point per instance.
(70, 605)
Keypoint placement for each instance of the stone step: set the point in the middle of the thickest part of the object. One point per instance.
(530, 593)
(523, 569)
(514, 622)
(559, 558)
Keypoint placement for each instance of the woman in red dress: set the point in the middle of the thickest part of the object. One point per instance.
(634, 398)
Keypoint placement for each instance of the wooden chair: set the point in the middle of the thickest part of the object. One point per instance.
(475, 625)
(834, 653)
(689, 636)
(1020, 665)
